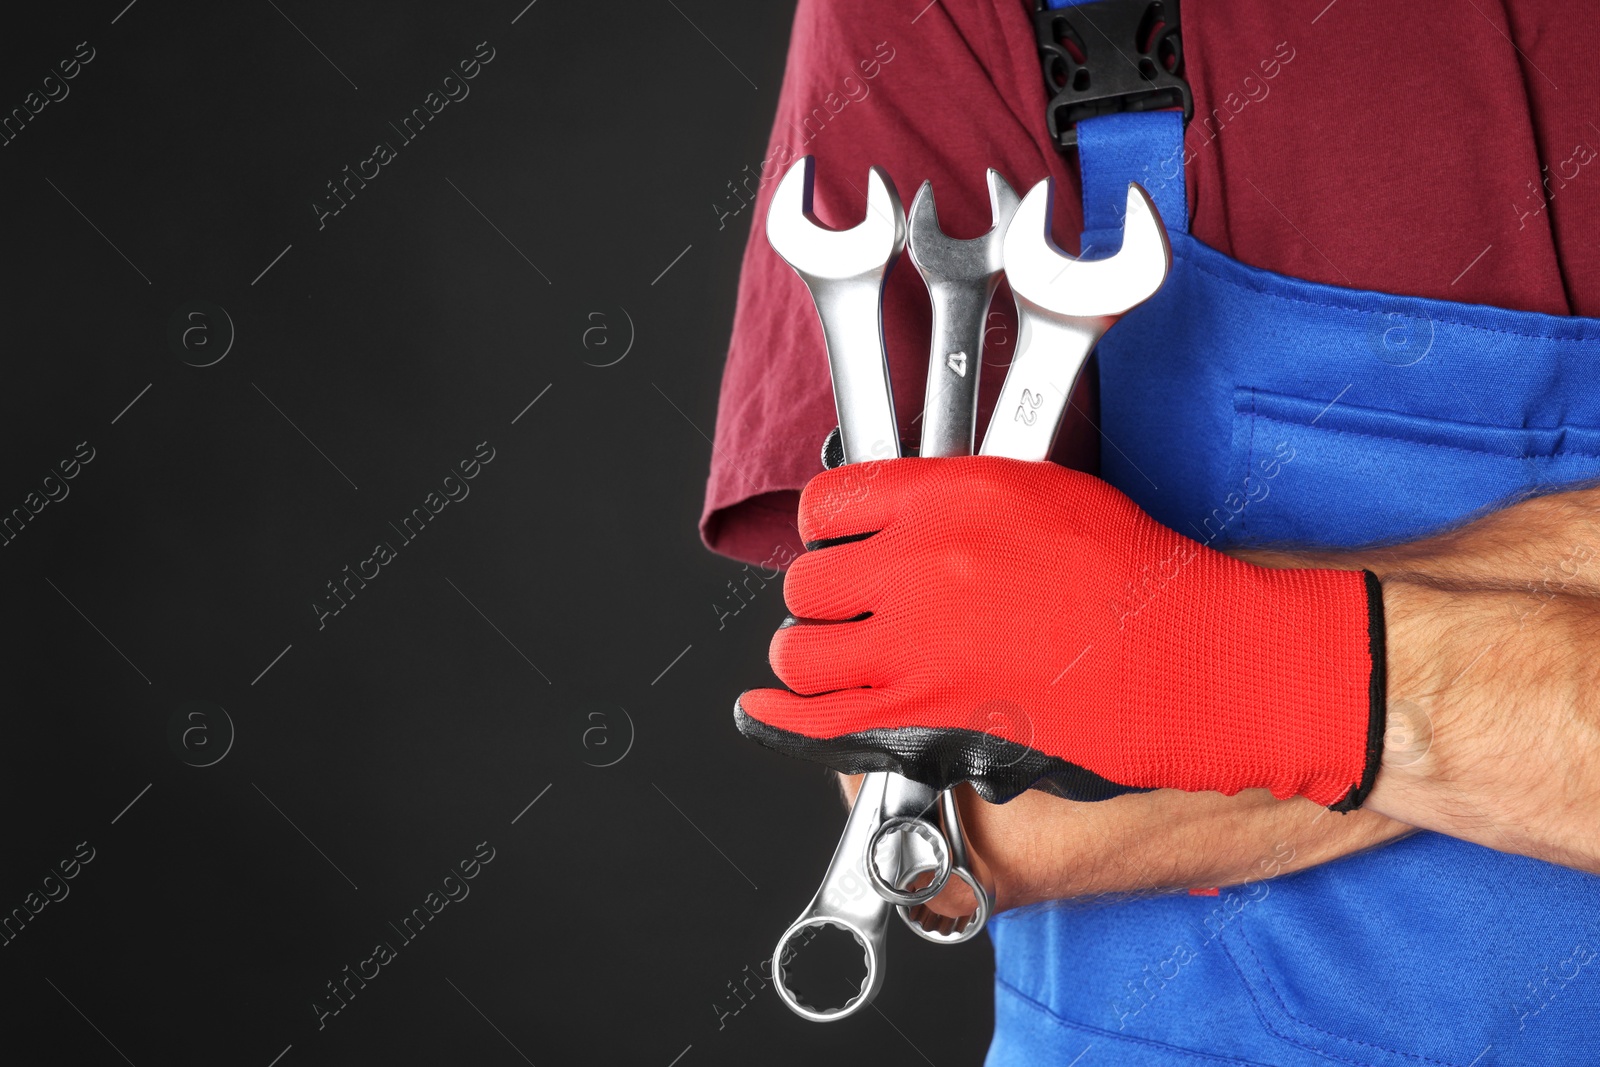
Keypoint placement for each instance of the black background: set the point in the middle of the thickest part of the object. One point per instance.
(561, 615)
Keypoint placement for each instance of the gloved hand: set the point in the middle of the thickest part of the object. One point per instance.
(1018, 624)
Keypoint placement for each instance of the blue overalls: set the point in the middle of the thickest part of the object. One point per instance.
(1243, 406)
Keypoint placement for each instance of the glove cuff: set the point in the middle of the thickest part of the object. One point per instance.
(1377, 718)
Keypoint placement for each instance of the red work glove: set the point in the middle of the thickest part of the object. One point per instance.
(1019, 625)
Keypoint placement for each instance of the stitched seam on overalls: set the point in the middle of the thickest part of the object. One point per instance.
(1068, 1024)
(1262, 291)
(1429, 444)
(1249, 465)
(1267, 980)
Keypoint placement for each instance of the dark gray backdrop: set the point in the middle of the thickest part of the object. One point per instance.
(265, 794)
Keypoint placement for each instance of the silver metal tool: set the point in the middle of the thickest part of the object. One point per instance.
(845, 271)
(1064, 306)
(961, 276)
(944, 930)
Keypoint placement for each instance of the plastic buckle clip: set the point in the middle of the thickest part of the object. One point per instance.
(1108, 57)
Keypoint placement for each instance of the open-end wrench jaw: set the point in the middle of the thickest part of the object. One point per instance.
(1062, 285)
(939, 256)
(845, 271)
(961, 276)
(817, 252)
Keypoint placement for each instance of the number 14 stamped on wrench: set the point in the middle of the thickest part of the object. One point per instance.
(903, 840)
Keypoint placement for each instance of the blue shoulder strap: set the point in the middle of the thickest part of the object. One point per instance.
(1113, 150)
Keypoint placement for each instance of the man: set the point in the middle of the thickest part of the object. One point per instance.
(1351, 152)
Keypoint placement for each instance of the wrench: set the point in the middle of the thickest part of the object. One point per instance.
(845, 271)
(1064, 306)
(961, 277)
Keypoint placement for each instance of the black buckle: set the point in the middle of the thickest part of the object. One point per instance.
(1108, 57)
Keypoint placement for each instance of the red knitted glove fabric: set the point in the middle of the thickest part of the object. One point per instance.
(1020, 624)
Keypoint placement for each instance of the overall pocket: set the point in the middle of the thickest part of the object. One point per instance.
(1311, 472)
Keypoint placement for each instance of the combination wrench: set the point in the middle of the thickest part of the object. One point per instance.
(845, 271)
(1064, 306)
(961, 276)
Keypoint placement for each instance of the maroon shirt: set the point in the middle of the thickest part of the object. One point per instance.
(1361, 143)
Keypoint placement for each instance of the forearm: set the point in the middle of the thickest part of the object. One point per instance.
(1493, 654)
(1039, 847)
(1494, 727)
(1161, 841)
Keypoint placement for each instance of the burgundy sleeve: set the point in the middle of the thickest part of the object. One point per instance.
(938, 98)
(1372, 145)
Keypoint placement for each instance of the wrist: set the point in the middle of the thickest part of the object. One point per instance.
(1408, 761)
(1319, 642)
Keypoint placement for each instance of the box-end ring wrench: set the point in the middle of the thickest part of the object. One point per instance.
(961, 276)
(947, 931)
(845, 271)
